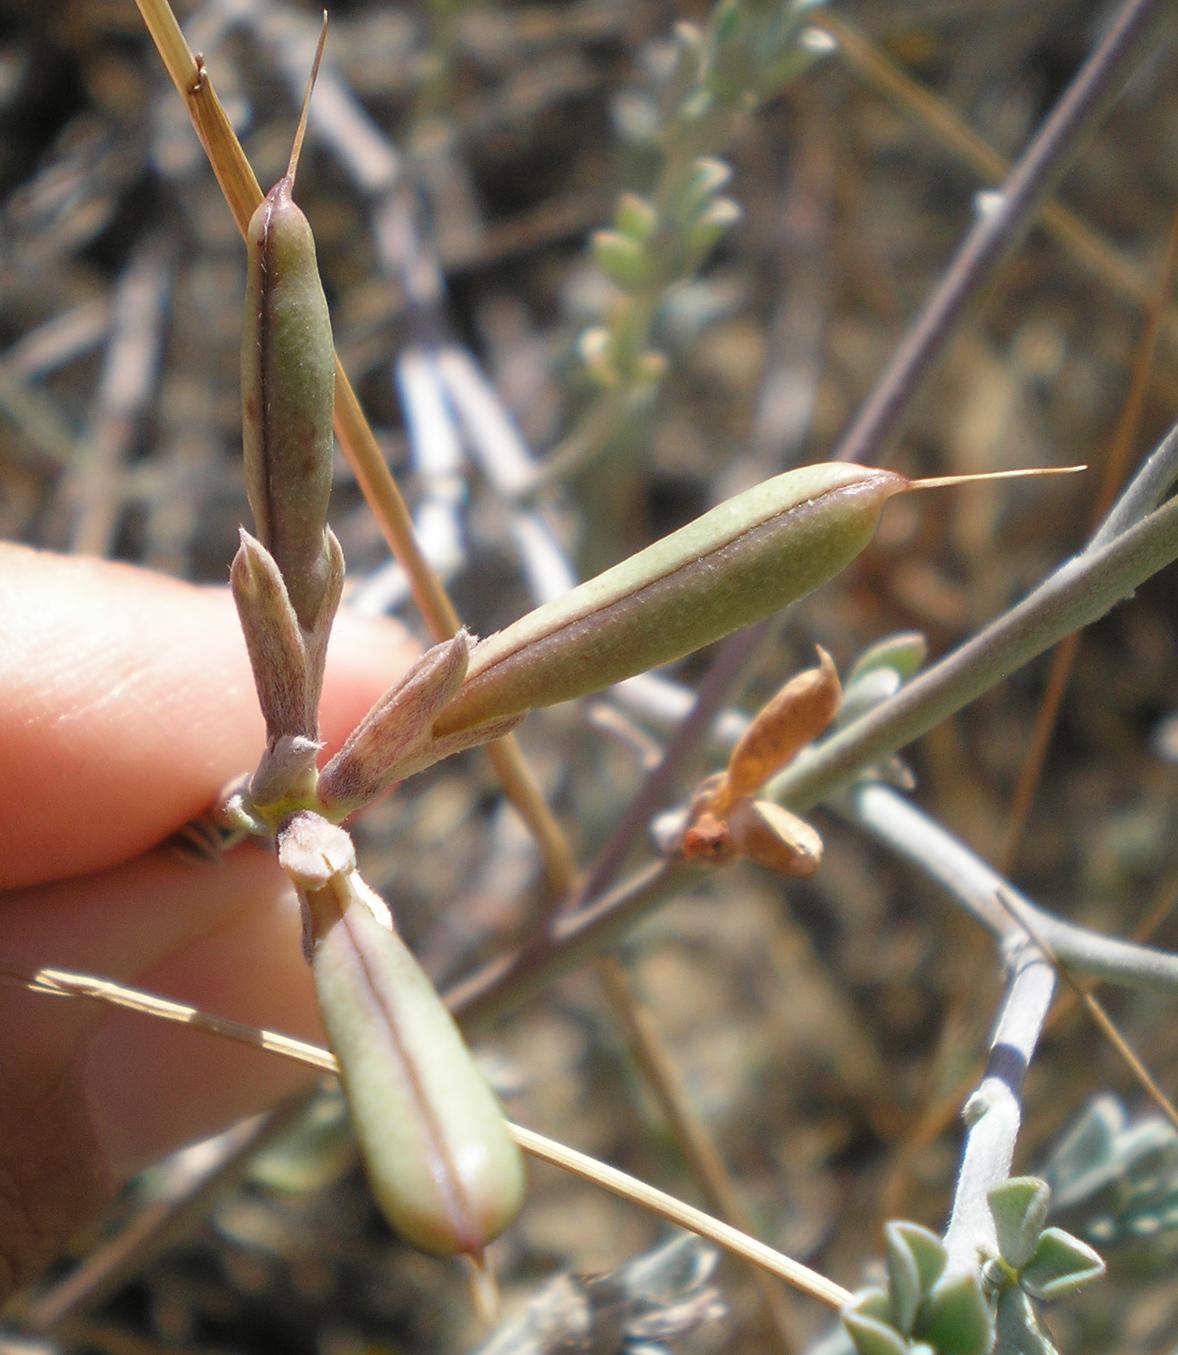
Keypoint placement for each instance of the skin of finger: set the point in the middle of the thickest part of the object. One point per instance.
(126, 703)
(92, 1094)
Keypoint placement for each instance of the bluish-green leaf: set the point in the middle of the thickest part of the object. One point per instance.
(904, 652)
(955, 1318)
(1061, 1264)
(915, 1259)
(873, 1337)
(1017, 1329)
(1019, 1206)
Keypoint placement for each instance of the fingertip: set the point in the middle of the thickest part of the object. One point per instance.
(127, 703)
(152, 1086)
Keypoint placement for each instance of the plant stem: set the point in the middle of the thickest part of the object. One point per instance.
(504, 984)
(1121, 448)
(1007, 217)
(994, 1113)
(908, 831)
(1078, 593)
(890, 80)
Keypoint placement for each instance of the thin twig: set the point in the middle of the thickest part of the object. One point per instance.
(1078, 593)
(1124, 438)
(936, 853)
(1009, 215)
(1075, 234)
(502, 984)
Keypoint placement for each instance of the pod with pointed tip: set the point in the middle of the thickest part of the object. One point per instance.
(738, 563)
(288, 392)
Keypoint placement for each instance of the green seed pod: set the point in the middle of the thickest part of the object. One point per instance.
(288, 390)
(440, 1157)
(740, 562)
(746, 559)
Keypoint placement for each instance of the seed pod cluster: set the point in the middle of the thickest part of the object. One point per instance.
(440, 1156)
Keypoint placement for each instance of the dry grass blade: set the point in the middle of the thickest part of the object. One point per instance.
(65, 983)
(1073, 232)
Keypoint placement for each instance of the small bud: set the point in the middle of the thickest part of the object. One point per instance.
(596, 352)
(622, 259)
(697, 186)
(636, 217)
(285, 778)
(774, 838)
(707, 230)
(795, 717)
(394, 728)
(903, 653)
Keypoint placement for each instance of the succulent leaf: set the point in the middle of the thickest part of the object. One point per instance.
(1019, 1206)
(955, 1317)
(1061, 1265)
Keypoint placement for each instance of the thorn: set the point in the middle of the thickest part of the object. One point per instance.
(941, 481)
(301, 130)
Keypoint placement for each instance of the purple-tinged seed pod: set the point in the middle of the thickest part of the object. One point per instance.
(440, 1156)
(288, 393)
(737, 564)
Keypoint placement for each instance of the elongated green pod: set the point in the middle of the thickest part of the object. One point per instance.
(736, 564)
(440, 1157)
(288, 392)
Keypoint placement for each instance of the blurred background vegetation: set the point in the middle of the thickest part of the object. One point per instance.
(825, 1032)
